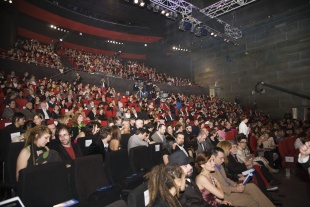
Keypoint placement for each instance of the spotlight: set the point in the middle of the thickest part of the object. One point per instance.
(184, 25)
(81, 33)
(135, 1)
(52, 26)
(173, 48)
(142, 3)
(10, 1)
(145, 45)
(201, 31)
(61, 29)
(60, 40)
(58, 28)
(155, 8)
(163, 12)
(167, 14)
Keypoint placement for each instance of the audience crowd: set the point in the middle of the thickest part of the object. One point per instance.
(50, 115)
(32, 51)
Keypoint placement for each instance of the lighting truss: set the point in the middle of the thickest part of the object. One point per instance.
(212, 11)
(179, 6)
(224, 6)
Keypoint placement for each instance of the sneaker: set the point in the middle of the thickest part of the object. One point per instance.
(272, 188)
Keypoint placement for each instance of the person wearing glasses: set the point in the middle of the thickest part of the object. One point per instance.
(244, 156)
(67, 150)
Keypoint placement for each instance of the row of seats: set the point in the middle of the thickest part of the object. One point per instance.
(92, 182)
(87, 184)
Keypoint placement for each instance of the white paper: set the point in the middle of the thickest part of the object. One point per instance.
(146, 197)
(16, 134)
(289, 159)
(7, 123)
(88, 142)
(157, 148)
(246, 172)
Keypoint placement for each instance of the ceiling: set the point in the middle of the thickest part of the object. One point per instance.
(126, 17)
(125, 13)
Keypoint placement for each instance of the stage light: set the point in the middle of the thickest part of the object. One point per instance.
(52, 26)
(135, 1)
(81, 33)
(142, 3)
(60, 40)
(155, 8)
(145, 45)
(163, 12)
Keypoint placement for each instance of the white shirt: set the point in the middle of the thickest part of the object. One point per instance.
(243, 128)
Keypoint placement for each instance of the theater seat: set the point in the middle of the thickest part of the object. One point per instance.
(44, 185)
(140, 159)
(89, 183)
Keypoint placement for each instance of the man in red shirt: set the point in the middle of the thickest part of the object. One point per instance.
(67, 150)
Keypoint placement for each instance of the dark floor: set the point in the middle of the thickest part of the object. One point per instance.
(294, 190)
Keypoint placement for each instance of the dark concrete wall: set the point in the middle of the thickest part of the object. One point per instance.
(275, 50)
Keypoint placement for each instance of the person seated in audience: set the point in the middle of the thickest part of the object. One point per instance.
(28, 111)
(90, 130)
(28, 125)
(38, 119)
(44, 110)
(212, 138)
(179, 139)
(244, 156)
(127, 115)
(266, 147)
(115, 138)
(63, 119)
(67, 150)
(209, 187)
(82, 112)
(37, 102)
(201, 143)
(100, 144)
(92, 114)
(165, 182)
(56, 112)
(191, 196)
(169, 130)
(237, 194)
(11, 95)
(52, 126)
(159, 135)
(35, 151)
(101, 115)
(77, 122)
(8, 112)
(234, 168)
(12, 130)
(138, 139)
(168, 148)
(125, 129)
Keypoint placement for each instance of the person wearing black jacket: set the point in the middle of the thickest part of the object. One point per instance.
(100, 144)
(67, 150)
(191, 197)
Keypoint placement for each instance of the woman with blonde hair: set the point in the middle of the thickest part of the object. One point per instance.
(63, 119)
(165, 183)
(35, 145)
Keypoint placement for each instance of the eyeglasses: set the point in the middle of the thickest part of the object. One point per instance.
(243, 142)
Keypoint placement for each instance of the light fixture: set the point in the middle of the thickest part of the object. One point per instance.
(163, 12)
(142, 3)
(155, 8)
(145, 45)
(81, 33)
(135, 1)
(52, 26)
(60, 40)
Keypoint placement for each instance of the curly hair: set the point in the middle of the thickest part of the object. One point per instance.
(161, 180)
